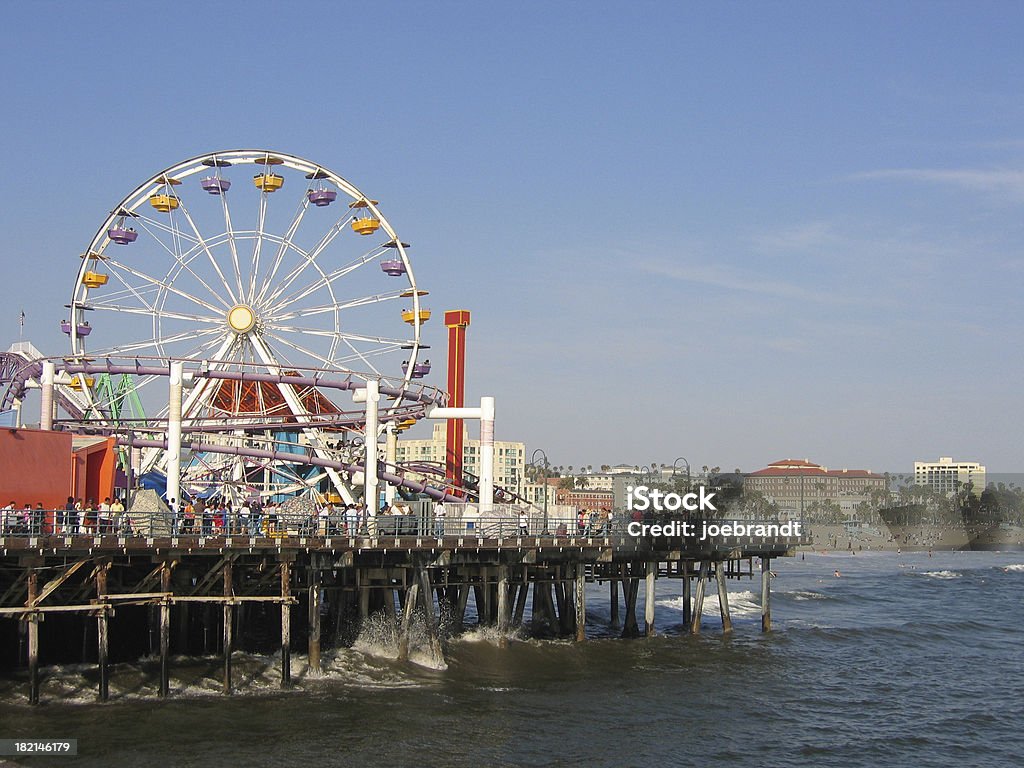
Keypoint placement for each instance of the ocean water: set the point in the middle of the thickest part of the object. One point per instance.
(904, 660)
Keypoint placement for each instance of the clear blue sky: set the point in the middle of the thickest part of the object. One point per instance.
(728, 231)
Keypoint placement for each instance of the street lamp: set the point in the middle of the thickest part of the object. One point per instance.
(533, 461)
(687, 470)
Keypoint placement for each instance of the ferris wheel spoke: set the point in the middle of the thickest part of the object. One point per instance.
(232, 246)
(340, 335)
(282, 249)
(150, 224)
(172, 339)
(257, 246)
(359, 355)
(311, 257)
(165, 285)
(323, 308)
(304, 350)
(328, 280)
(148, 311)
(201, 242)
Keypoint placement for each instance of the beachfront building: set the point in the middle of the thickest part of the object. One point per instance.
(586, 498)
(802, 489)
(947, 476)
(509, 461)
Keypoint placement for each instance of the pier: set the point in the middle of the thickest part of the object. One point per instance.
(107, 598)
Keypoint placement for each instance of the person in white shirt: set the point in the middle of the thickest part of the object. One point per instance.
(439, 516)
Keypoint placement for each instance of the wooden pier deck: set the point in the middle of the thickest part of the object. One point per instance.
(63, 596)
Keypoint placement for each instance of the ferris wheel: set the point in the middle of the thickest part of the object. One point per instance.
(245, 260)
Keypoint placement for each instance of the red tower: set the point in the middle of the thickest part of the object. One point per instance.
(456, 320)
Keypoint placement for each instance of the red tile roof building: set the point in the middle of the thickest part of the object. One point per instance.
(795, 484)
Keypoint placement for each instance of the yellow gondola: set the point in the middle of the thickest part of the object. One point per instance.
(95, 279)
(268, 182)
(409, 316)
(365, 226)
(163, 202)
(76, 382)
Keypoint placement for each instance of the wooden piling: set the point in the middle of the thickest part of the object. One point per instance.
(33, 638)
(723, 596)
(652, 571)
(766, 595)
(524, 592)
(314, 626)
(698, 598)
(286, 623)
(165, 630)
(102, 638)
(630, 589)
(427, 597)
(613, 599)
(504, 614)
(412, 592)
(228, 624)
(581, 603)
(687, 597)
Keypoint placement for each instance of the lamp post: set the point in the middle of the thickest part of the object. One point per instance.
(533, 461)
(674, 463)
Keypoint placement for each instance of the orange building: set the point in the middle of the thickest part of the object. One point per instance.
(40, 467)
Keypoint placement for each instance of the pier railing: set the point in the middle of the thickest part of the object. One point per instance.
(504, 521)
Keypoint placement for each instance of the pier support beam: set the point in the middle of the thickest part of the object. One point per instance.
(613, 599)
(766, 595)
(630, 588)
(524, 592)
(504, 614)
(314, 624)
(427, 597)
(698, 599)
(33, 638)
(228, 623)
(581, 603)
(102, 639)
(165, 630)
(411, 595)
(723, 596)
(652, 571)
(286, 624)
(687, 597)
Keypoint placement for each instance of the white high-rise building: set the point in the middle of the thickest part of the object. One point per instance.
(509, 456)
(948, 476)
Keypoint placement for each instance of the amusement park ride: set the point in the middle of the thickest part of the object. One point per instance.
(246, 339)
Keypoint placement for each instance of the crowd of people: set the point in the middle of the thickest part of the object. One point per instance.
(254, 517)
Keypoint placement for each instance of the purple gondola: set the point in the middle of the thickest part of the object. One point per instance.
(215, 186)
(322, 197)
(84, 329)
(65, 326)
(420, 370)
(122, 235)
(393, 267)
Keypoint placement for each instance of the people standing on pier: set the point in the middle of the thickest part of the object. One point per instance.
(67, 521)
(351, 520)
(243, 517)
(524, 523)
(439, 515)
(255, 518)
(103, 517)
(121, 523)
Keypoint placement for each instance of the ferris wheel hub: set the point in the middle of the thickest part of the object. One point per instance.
(241, 318)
